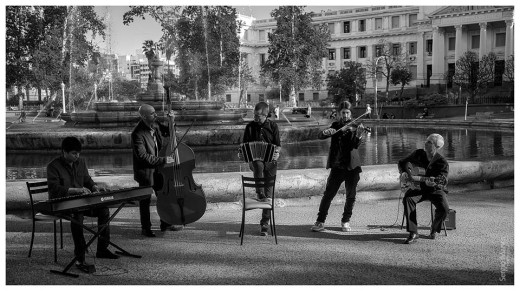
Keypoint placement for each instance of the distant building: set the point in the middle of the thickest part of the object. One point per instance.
(434, 37)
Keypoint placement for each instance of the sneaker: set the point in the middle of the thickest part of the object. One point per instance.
(318, 226)
(263, 230)
(85, 267)
(345, 226)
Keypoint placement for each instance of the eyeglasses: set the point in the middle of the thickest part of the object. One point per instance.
(260, 115)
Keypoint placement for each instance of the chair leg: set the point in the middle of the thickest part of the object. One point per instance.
(273, 225)
(242, 228)
(61, 233)
(32, 238)
(402, 222)
(55, 244)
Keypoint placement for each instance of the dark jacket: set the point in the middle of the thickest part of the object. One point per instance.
(61, 176)
(343, 152)
(145, 160)
(438, 166)
(267, 132)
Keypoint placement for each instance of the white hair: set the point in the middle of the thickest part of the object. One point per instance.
(436, 139)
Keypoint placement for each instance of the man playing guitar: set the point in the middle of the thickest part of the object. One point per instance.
(432, 185)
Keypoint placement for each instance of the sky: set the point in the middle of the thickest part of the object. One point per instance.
(127, 39)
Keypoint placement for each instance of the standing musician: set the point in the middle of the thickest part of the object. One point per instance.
(345, 166)
(435, 165)
(147, 139)
(263, 129)
(67, 175)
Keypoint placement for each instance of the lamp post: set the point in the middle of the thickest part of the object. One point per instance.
(63, 97)
(375, 78)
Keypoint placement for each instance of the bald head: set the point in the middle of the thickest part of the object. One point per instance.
(147, 113)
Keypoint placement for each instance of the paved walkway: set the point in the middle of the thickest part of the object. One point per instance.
(479, 252)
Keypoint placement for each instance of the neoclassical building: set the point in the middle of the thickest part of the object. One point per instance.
(432, 36)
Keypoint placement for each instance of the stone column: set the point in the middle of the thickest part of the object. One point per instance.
(420, 59)
(509, 49)
(438, 56)
(458, 42)
(483, 40)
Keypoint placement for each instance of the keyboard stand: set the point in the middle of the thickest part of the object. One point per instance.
(120, 251)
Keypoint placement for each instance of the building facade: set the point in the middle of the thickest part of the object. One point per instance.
(433, 37)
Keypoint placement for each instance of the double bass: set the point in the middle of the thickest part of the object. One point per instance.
(179, 199)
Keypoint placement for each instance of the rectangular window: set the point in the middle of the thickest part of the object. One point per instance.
(346, 27)
(379, 50)
(412, 19)
(262, 59)
(475, 41)
(248, 97)
(332, 72)
(346, 53)
(379, 23)
(412, 49)
(261, 35)
(362, 52)
(331, 28)
(361, 26)
(451, 44)
(396, 49)
(413, 70)
(315, 96)
(301, 97)
(429, 46)
(332, 54)
(395, 21)
(500, 40)
(228, 97)
(261, 97)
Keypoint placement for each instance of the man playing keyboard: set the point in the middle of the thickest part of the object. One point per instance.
(67, 175)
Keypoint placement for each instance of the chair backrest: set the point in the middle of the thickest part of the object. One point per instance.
(249, 182)
(37, 188)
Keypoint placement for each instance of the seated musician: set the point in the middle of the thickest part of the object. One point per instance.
(345, 166)
(67, 175)
(263, 129)
(435, 166)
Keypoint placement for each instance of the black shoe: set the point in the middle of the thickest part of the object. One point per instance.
(148, 233)
(412, 238)
(171, 228)
(106, 254)
(263, 230)
(84, 267)
(432, 235)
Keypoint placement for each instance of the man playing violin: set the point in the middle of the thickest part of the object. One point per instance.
(435, 166)
(344, 163)
(147, 139)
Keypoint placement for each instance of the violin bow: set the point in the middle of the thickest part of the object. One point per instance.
(350, 123)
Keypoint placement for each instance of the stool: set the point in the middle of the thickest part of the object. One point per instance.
(431, 213)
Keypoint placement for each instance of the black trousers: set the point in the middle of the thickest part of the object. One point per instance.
(336, 177)
(438, 199)
(102, 215)
(144, 212)
(262, 170)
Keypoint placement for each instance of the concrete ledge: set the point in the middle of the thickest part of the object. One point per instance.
(377, 182)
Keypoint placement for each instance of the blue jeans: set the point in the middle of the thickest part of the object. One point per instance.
(263, 170)
(336, 177)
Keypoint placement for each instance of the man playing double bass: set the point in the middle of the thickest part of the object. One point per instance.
(147, 140)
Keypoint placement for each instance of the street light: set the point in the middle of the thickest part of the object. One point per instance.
(375, 78)
(63, 96)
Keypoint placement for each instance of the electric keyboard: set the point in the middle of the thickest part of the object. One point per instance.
(89, 201)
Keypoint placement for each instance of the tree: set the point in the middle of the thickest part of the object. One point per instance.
(390, 57)
(246, 78)
(347, 83)
(401, 75)
(472, 74)
(296, 50)
(510, 68)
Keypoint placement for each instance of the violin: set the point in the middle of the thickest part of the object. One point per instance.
(352, 125)
(179, 199)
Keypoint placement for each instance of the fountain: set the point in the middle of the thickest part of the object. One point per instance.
(124, 114)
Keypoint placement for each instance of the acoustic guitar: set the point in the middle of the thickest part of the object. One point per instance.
(413, 180)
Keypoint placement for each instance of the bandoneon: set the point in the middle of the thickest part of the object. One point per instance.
(257, 151)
